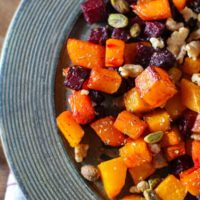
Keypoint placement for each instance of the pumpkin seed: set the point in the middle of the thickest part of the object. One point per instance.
(150, 195)
(135, 30)
(117, 20)
(120, 5)
(154, 137)
(153, 182)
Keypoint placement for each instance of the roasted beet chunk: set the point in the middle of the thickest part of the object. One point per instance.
(186, 123)
(181, 164)
(154, 29)
(162, 58)
(143, 55)
(99, 35)
(121, 34)
(194, 5)
(76, 77)
(96, 96)
(94, 11)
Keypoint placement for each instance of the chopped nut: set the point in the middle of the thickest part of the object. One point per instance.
(196, 78)
(120, 5)
(135, 30)
(84, 92)
(157, 43)
(195, 136)
(90, 173)
(159, 161)
(117, 20)
(177, 40)
(188, 14)
(193, 49)
(173, 25)
(150, 195)
(65, 71)
(154, 148)
(195, 35)
(130, 70)
(181, 55)
(142, 186)
(134, 190)
(198, 17)
(80, 152)
(175, 74)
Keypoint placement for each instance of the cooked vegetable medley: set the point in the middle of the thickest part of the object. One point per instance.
(145, 57)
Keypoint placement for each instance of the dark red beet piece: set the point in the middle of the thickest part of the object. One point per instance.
(186, 123)
(194, 5)
(99, 35)
(163, 58)
(181, 164)
(96, 96)
(76, 77)
(143, 55)
(153, 29)
(121, 34)
(94, 11)
(191, 24)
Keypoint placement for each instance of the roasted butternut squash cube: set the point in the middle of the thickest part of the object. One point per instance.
(171, 189)
(81, 107)
(190, 95)
(86, 54)
(175, 151)
(113, 174)
(135, 153)
(130, 124)
(174, 106)
(196, 126)
(71, 130)
(196, 153)
(155, 86)
(114, 52)
(171, 137)
(133, 197)
(152, 10)
(134, 103)
(104, 80)
(107, 132)
(191, 179)
(158, 120)
(191, 66)
(142, 172)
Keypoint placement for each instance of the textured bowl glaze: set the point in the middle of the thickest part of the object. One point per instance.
(40, 160)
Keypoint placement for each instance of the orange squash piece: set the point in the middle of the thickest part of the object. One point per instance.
(179, 4)
(81, 106)
(135, 153)
(155, 86)
(114, 52)
(69, 128)
(174, 106)
(191, 66)
(171, 189)
(172, 137)
(175, 151)
(158, 120)
(190, 95)
(191, 179)
(152, 10)
(107, 132)
(133, 197)
(196, 153)
(130, 124)
(142, 172)
(134, 103)
(104, 80)
(196, 127)
(86, 54)
(113, 174)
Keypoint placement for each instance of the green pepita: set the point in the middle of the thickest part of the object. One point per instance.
(153, 182)
(121, 6)
(150, 195)
(154, 137)
(117, 20)
(135, 30)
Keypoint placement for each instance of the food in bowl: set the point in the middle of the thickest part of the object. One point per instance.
(145, 57)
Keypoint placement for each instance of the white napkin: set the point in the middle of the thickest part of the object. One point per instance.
(13, 191)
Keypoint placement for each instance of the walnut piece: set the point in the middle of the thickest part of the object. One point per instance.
(177, 40)
(157, 43)
(188, 14)
(193, 49)
(196, 78)
(172, 25)
(90, 173)
(195, 35)
(130, 70)
(181, 55)
(80, 152)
